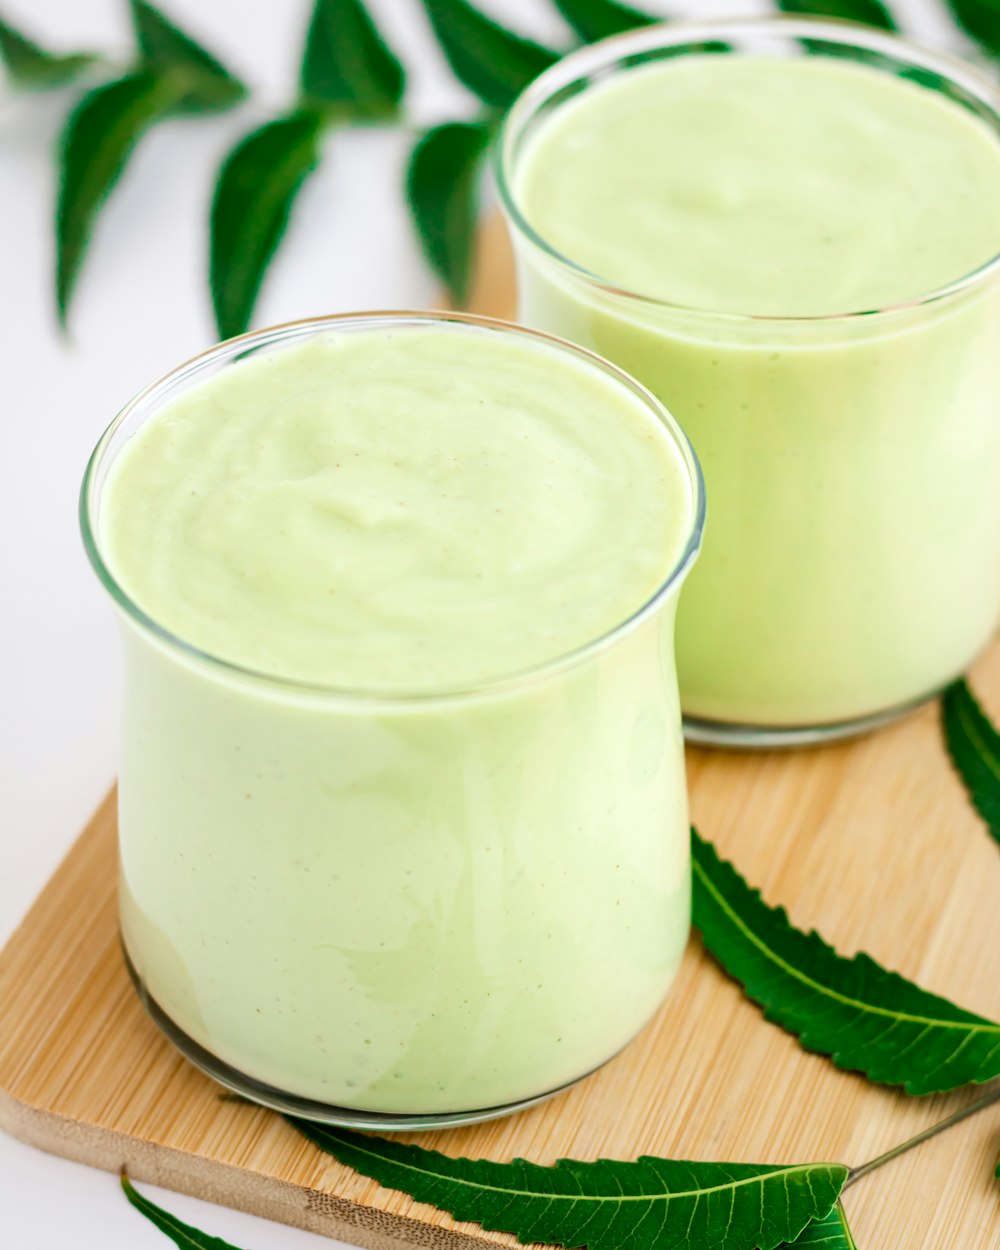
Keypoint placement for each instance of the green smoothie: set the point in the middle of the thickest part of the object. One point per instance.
(706, 221)
(402, 806)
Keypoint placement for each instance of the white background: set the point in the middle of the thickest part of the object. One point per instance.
(141, 308)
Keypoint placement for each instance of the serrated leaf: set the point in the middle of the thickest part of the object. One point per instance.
(32, 66)
(441, 185)
(606, 1205)
(490, 60)
(854, 1011)
(97, 140)
(347, 63)
(165, 48)
(830, 1233)
(254, 193)
(869, 12)
(981, 18)
(183, 1235)
(974, 746)
(597, 19)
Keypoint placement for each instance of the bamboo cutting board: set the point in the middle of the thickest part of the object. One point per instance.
(873, 842)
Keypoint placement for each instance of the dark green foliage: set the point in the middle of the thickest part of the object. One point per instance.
(596, 19)
(869, 12)
(490, 60)
(831, 1233)
(649, 1204)
(97, 141)
(32, 66)
(974, 745)
(165, 49)
(180, 1234)
(981, 18)
(441, 187)
(255, 189)
(863, 1017)
(346, 64)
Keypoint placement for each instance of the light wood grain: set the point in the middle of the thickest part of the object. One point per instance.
(873, 842)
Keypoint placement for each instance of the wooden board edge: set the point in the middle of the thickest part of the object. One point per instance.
(224, 1184)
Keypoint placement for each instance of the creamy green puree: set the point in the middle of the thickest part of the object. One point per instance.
(398, 511)
(774, 187)
(347, 883)
(851, 465)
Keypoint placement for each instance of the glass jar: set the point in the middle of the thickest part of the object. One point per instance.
(852, 567)
(400, 910)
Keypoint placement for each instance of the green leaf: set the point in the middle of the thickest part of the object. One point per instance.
(974, 745)
(165, 48)
(493, 62)
(596, 19)
(254, 193)
(869, 12)
(441, 186)
(347, 63)
(31, 66)
(605, 1205)
(830, 1233)
(182, 1235)
(863, 1017)
(97, 141)
(981, 18)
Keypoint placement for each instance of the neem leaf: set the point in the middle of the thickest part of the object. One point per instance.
(490, 60)
(97, 140)
(441, 185)
(974, 745)
(32, 66)
(870, 12)
(605, 1205)
(596, 19)
(854, 1011)
(254, 193)
(981, 18)
(180, 1234)
(829, 1233)
(346, 62)
(166, 48)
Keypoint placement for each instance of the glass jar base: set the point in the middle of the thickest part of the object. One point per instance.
(308, 1109)
(740, 737)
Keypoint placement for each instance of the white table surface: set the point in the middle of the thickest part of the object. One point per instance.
(141, 307)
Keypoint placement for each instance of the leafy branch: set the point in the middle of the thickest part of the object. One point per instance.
(869, 12)
(172, 75)
(181, 1234)
(256, 187)
(650, 1204)
(348, 75)
(31, 67)
(974, 746)
(441, 186)
(860, 1015)
(645, 1204)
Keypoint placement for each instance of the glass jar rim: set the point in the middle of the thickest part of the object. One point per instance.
(229, 349)
(603, 57)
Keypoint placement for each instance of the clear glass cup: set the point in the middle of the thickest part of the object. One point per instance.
(439, 907)
(852, 566)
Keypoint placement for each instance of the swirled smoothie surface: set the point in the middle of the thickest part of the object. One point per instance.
(400, 510)
(777, 187)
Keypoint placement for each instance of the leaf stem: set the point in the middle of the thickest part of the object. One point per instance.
(991, 1097)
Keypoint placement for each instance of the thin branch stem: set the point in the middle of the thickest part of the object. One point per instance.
(991, 1097)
